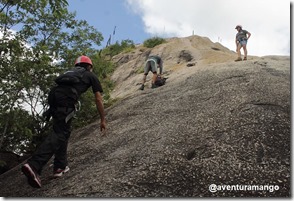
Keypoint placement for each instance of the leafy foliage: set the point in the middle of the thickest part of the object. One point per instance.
(152, 42)
(16, 132)
(47, 41)
(124, 45)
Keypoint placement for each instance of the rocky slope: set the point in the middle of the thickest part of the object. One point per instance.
(176, 53)
(215, 122)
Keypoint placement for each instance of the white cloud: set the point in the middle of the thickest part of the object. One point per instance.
(267, 20)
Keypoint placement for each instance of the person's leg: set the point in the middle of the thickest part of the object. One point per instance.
(33, 168)
(245, 51)
(154, 71)
(53, 142)
(239, 52)
(46, 151)
(147, 68)
(154, 79)
(60, 159)
(143, 82)
(144, 78)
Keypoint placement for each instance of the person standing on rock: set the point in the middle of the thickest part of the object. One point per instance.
(241, 42)
(63, 99)
(152, 64)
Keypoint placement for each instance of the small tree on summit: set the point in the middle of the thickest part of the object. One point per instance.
(152, 42)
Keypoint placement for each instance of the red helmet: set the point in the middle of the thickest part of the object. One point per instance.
(83, 59)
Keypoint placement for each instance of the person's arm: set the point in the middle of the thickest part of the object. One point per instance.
(248, 35)
(160, 67)
(100, 108)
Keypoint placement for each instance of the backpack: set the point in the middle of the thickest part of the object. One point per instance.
(160, 81)
(65, 94)
(71, 77)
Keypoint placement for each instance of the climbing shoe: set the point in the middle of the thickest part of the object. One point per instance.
(32, 176)
(59, 172)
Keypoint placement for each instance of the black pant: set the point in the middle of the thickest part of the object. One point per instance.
(55, 143)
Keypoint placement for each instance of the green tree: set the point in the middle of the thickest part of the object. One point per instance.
(47, 41)
(124, 45)
(152, 42)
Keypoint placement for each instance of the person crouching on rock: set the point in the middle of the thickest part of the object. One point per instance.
(152, 63)
(241, 41)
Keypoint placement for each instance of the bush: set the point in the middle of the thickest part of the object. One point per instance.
(124, 45)
(152, 42)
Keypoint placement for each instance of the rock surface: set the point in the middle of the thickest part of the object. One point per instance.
(218, 122)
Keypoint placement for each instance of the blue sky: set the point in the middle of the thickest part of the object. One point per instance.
(104, 15)
(267, 20)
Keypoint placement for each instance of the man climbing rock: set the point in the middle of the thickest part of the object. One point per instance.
(62, 100)
(152, 63)
(241, 42)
